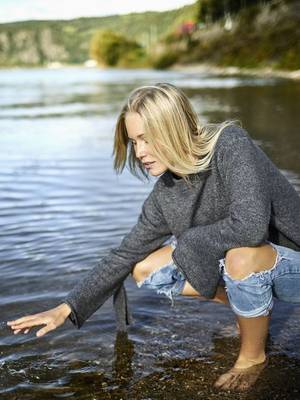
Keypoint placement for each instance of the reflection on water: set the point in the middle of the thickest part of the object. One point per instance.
(63, 208)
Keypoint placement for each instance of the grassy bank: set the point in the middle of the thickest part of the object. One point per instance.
(258, 37)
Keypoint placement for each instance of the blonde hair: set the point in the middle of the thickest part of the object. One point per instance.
(171, 128)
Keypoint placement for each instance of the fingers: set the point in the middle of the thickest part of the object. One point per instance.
(28, 323)
(49, 325)
(45, 330)
(41, 332)
(51, 319)
(19, 330)
(22, 319)
(25, 323)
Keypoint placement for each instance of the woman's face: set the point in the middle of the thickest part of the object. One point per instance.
(135, 130)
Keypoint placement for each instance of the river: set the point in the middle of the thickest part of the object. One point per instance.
(62, 208)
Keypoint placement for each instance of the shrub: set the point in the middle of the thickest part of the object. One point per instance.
(164, 60)
(110, 48)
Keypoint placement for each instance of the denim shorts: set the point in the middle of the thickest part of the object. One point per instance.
(167, 280)
(253, 295)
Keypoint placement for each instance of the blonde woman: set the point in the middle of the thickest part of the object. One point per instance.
(220, 214)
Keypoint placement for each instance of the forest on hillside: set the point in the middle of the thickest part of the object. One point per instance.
(243, 33)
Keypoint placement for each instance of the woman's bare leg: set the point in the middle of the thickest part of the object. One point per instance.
(252, 358)
(220, 296)
(161, 257)
(253, 331)
(153, 262)
(239, 262)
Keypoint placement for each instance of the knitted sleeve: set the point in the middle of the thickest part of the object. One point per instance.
(242, 167)
(150, 231)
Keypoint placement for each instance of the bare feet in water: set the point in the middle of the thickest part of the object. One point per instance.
(240, 379)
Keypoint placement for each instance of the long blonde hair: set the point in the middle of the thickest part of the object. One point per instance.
(171, 128)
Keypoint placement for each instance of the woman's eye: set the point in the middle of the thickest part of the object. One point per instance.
(134, 143)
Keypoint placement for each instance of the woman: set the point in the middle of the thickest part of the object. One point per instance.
(230, 214)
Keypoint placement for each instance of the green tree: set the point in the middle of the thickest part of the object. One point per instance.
(110, 48)
(212, 10)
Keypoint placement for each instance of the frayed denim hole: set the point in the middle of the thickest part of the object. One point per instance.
(176, 290)
(261, 275)
(139, 284)
(224, 272)
(178, 287)
(168, 294)
(258, 275)
(279, 257)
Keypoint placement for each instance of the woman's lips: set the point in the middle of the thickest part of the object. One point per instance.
(148, 165)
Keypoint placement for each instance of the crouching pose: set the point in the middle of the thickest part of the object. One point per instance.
(220, 223)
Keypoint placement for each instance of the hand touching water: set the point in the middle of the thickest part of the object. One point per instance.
(52, 319)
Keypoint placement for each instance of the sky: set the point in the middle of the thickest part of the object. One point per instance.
(23, 10)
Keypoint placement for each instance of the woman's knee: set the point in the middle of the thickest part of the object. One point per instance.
(141, 270)
(238, 262)
(242, 261)
(152, 262)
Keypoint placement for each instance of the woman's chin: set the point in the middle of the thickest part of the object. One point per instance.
(156, 170)
(156, 173)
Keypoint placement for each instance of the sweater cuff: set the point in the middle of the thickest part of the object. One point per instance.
(122, 312)
(73, 317)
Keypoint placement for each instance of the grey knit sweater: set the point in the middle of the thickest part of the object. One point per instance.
(243, 200)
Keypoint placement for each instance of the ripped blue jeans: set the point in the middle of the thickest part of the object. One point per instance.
(253, 295)
(249, 297)
(167, 280)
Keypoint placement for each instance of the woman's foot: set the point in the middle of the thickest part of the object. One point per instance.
(241, 379)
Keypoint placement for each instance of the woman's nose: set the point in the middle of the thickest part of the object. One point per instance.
(140, 150)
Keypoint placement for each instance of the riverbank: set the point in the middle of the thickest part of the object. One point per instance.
(201, 68)
(204, 68)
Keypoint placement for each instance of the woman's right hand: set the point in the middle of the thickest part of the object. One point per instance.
(52, 319)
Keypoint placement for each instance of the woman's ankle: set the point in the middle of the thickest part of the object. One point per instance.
(246, 362)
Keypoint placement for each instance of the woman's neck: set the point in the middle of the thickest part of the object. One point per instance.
(175, 176)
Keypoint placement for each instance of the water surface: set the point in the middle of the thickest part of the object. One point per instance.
(63, 208)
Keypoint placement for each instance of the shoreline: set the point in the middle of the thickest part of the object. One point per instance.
(211, 69)
(201, 68)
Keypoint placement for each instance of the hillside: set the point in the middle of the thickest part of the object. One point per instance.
(265, 35)
(37, 43)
